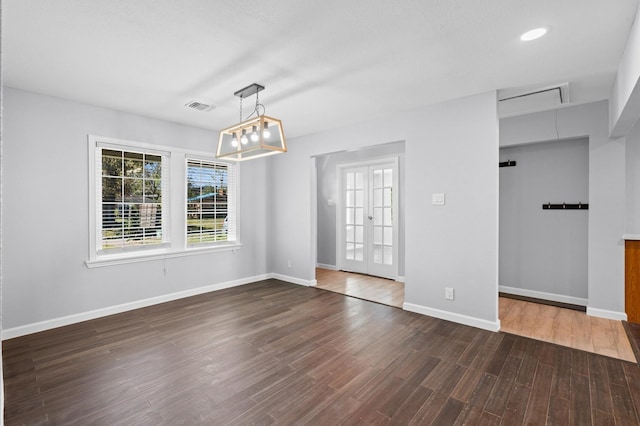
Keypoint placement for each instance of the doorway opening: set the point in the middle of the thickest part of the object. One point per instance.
(359, 208)
(543, 251)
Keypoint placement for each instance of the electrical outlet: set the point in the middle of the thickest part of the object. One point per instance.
(289, 263)
(448, 293)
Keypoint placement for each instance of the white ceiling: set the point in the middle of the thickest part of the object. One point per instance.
(324, 63)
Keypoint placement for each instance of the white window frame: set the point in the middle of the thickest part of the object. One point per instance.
(173, 206)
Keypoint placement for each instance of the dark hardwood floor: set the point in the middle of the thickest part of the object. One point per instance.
(272, 352)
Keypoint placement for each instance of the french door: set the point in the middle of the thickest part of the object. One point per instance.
(367, 218)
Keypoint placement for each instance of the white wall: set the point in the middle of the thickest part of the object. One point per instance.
(543, 253)
(450, 147)
(46, 212)
(606, 192)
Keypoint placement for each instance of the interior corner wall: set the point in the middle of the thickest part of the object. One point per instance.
(606, 192)
(46, 206)
(328, 190)
(624, 105)
(1, 274)
(450, 148)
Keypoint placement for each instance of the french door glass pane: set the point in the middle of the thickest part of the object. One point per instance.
(377, 178)
(388, 255)
(377, 216)
(350, 233)
(350, 251)
(387, 197)
(377, 198)
(387, 216)
(388, 235)
(350, 216)
(351, 199)
(377, 235)
(377, 254)
(388, 178)
(359, 216)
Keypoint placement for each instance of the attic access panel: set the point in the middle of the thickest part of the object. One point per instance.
(537, 100)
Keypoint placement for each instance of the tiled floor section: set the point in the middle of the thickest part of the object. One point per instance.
(565, 327)
(277, 353)
(380, 290)
(547, 323)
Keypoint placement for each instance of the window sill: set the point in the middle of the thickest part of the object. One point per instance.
(119, 259)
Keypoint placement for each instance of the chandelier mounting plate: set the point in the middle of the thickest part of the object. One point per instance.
(250, 90)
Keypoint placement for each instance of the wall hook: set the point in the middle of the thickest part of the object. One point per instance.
(507, 163)
(565, 206)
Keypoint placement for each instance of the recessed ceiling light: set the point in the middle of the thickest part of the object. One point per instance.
(533, 34)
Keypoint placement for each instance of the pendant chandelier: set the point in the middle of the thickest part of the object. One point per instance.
(257, 136)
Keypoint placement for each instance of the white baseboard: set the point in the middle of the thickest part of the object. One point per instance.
(400, 279)
(103, 312)
(451, 316)
(543, 295)
(293, 280)
(603, 313)
(325, 266)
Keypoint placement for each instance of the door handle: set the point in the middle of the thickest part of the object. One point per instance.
(370, 217)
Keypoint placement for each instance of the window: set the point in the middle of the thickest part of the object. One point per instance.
(150, 202)
(131, 188)
(210, 202)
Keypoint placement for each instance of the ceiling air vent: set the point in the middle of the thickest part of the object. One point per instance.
(514, 102)
(199, 106)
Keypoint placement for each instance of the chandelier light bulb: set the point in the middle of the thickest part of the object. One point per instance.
(254, 135)
(234, 140)
(243, 138)
(266, 133)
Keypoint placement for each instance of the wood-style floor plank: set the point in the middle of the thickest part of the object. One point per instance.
(375, 289)
(543, 322)
(277, 353)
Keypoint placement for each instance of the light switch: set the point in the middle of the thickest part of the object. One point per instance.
(330, 203)
(437, 199)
